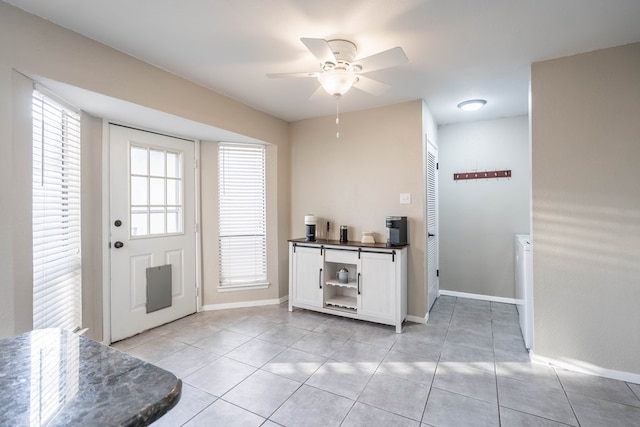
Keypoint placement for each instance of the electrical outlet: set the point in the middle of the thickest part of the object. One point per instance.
(405, 198)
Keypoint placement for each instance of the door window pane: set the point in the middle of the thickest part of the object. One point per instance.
(173, 165)
(156, 162)
(173, 192)
(138, 190)
(156, 193)
(138, 161)
(156, 221)
(139, 222)
(173, 219)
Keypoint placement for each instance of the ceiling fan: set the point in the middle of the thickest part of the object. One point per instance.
(340, 70)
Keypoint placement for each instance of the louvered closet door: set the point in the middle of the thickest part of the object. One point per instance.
(433, 286)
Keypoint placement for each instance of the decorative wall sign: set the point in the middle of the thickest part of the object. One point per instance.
(482, 175)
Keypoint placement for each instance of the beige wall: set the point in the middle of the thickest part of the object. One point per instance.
(478, 218)
(586, 208)
(357, 180)
(36, 47)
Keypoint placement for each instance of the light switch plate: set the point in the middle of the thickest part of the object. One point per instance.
(405, 198)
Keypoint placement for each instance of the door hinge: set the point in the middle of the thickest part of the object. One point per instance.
(438, 273)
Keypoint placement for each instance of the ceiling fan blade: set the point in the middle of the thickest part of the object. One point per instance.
(320, 49)
(317, 94)
(386, 59)
(287, 75)
(370, 85)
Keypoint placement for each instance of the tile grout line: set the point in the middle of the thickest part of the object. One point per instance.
(566, 395)
(495, 367)
(633, 392)
(426, 403)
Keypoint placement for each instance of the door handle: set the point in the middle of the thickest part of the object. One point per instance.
(118, 245)
(431, 235)
(358, 283)
(320, 279)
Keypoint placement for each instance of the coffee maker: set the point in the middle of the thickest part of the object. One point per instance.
(396, 230)
(310, 228)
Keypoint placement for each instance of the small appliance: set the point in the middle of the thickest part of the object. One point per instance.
(310, 228)
(396, 230)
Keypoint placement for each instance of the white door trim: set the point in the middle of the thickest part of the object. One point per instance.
(106, 235)
(196, 187)
(106, 227)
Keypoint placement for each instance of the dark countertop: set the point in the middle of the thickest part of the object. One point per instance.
(54, 377)
(355, 244)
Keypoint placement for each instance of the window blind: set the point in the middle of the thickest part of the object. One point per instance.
(56, 215)
(241, 214)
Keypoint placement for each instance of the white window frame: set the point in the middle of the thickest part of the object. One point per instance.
(242, 230)
(57, 258)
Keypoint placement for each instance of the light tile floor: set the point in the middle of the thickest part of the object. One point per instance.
(265, 366)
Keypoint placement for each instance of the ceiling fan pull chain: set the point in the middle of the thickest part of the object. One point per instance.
(337, 116)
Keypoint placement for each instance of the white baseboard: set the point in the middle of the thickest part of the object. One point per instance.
(242, 304)
(478, 297)
(417, 319)
(585, 368)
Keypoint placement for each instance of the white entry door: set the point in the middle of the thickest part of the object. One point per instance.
(433, 279)
(152, 221)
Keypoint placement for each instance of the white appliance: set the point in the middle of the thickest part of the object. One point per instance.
(524, 286)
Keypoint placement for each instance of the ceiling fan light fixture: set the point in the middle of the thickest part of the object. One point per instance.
(338, 81)
(472, 104)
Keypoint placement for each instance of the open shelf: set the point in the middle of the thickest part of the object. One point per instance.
(342, 301)
(342, 285)
(335, 308)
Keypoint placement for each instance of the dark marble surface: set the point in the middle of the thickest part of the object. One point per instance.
(56, 378)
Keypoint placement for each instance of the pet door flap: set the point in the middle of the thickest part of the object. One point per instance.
(158, 287)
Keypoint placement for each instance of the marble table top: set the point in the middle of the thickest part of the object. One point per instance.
(56, 378)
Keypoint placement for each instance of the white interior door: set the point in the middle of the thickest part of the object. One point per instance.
(433, 285)
(152, 220)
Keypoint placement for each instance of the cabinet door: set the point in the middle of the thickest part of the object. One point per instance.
(377, 286)
(307, 276)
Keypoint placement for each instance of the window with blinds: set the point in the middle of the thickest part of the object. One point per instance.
(56, 215)
(241, 214)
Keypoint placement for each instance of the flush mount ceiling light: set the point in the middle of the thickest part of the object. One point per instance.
(472, 104)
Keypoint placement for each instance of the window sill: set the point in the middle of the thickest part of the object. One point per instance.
(243, 287)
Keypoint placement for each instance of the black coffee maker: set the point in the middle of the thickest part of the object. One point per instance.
(396, 230)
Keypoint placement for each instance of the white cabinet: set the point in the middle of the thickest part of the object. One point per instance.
(375, 297)
(376, 289)
(306, 271)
